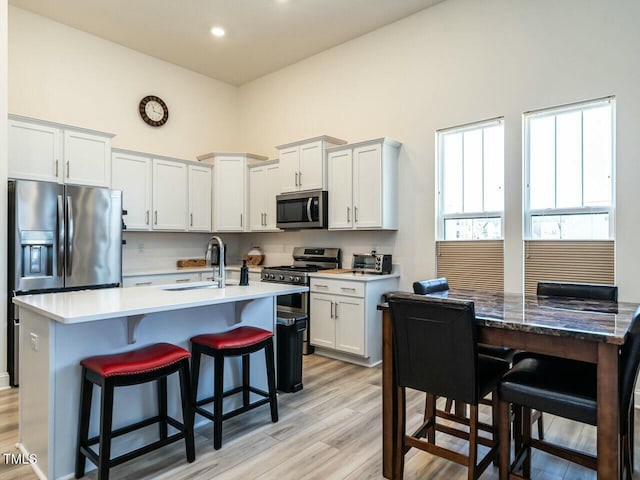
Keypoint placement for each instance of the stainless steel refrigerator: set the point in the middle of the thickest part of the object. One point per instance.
(61, 237)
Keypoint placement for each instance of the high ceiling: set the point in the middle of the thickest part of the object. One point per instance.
(262, 35)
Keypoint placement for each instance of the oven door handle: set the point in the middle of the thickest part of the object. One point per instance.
(309, 209)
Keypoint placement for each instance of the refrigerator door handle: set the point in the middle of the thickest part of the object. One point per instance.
(61, 236)
(70, 232)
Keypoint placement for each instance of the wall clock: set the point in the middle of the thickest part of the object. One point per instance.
(154, 111)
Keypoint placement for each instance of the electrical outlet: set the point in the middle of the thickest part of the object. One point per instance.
(141, 248)
(34, 341)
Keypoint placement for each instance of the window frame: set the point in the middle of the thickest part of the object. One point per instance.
(547, 212)
(443, 217)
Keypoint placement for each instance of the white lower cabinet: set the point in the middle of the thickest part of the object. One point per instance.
(163, 279)
(343, 316)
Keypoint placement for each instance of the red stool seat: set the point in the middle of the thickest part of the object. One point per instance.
(238, 338)
(142, 360)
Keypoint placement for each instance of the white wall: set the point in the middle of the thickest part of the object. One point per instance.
(4, 377)
(457, 62)
(62, 74)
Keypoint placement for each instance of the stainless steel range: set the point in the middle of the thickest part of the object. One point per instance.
(305, 260)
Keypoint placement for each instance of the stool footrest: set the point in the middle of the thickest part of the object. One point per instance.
(228, 393)
(127, 429)
(232, 413)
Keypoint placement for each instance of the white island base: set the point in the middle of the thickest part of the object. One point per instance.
(59, 330)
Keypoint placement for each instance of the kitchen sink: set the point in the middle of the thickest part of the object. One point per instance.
(195, 286)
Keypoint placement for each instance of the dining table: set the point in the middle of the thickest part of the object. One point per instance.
(592, 331)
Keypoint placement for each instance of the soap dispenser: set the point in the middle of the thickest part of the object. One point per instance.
(244, 274)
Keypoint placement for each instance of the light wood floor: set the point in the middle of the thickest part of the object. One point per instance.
(329, 430)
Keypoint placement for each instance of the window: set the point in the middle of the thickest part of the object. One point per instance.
(471, 180)
(569, 171)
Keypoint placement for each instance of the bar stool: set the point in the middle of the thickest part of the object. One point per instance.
(242, 342)
(147, 364)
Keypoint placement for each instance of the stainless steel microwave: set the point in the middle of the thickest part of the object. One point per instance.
(302, 210)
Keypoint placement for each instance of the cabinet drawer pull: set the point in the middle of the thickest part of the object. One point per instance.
(56, 167)
(183, 280)
(67, 168)
(321, 286)
(140, 284)
(349, 289)
(155, 219)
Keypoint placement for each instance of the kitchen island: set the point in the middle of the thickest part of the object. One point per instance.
(60, 329)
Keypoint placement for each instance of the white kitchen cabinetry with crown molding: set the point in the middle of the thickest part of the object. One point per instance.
(51, 152)
(303, 164)
(363, 185)
(264, 185)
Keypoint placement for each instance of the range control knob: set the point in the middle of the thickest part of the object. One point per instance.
(280, 277)
(296, 279)
(290, 278)
(272, 276)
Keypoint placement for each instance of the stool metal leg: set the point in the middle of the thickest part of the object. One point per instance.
(162, 406)
(218, 393)
(245, 379)
(86, 393)
(271, 379)
(187, 410)
(106, 416)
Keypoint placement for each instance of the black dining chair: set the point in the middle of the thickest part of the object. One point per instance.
(567, 388)
(436, 351)
(436, 285)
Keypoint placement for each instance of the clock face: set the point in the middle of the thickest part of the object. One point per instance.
(154, 111)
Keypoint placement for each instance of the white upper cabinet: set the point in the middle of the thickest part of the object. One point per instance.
(199, 199)
(264, 185)
(366, 197)
(230, 189)
(169, 195)
(131, 173)
(87, 159)
(35, 151)
(303, 164)
(40, 150)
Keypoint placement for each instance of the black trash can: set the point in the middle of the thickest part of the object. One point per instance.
(289, 331)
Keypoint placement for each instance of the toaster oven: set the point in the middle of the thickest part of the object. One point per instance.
(379, 263)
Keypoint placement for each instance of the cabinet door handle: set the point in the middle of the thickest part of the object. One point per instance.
(355, 214)
(332, 316)
(241, 220)
(335, 311)
(264, 219)
(56, 167)
(191, 220)
(155, 217)
(348, 214)
(140, 284)
(183, 280)
(296, 179)
(68, 168)
(146, 217)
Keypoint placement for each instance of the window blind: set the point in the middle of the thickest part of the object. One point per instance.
(586, 261)
(477, 264)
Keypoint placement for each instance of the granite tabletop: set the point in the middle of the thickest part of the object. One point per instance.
(594, 320)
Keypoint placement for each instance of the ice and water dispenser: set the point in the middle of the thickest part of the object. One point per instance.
(37, 253)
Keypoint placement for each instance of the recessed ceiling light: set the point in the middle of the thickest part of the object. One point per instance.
(217, 32)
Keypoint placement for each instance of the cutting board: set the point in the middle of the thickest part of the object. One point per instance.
(192, 262)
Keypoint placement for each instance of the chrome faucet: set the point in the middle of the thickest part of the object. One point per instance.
(221, 278)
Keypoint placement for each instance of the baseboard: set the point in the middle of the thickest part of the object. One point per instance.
(34, 466)
(345, 357)
(4, 381)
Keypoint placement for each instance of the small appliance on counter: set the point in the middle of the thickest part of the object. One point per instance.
(377, 263)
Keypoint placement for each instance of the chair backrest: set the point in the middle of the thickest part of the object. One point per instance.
(435, 345)
(424, 287)
(629, 362)
(591, 291)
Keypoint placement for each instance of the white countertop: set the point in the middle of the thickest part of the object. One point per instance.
(354, 277)
(90, 305)
(168, 270)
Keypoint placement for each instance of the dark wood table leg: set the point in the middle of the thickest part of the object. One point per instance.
(389, 397)
(608, 414)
